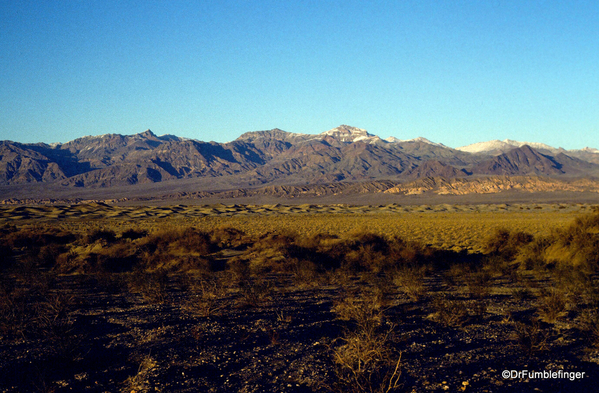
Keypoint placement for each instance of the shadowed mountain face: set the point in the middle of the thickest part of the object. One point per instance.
(272, 157)
(520, 161)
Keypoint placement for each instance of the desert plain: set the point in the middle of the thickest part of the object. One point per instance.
(299, 298)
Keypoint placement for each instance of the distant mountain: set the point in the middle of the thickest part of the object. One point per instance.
(520, 161)
(277, 158)
(496, 147)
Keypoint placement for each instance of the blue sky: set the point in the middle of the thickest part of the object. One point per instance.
(455, 72)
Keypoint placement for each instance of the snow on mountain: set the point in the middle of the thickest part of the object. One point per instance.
(534, 145)
(587, 150)
(346, 133)
(393, 139)
(497, 147)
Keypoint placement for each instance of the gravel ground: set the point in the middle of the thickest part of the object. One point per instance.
(283, 336)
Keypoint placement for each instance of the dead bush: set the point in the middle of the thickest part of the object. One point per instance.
(577, 245)
(139, 382)
(532, 255)
(17, 311)
(530, 336)
(134, 234)
(227, 237)
(364, 309)
(410, 280)
(478, 284)
(305, 273)
(449, 312)
(195, 240)
(152, 286)
(206, 295)
(365, 359)
(506, 243)
(104, 235)
(366, 363)
(589, 325)
(35, 237)
(497, 264)
(551, 304)
(56, 325)
(49, 255)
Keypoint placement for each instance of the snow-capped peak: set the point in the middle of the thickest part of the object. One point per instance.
(393, 139)
(497, 146)
(535, 145)
(346, 133)
(588, 150)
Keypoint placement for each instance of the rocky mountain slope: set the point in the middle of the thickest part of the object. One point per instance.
(276, 158)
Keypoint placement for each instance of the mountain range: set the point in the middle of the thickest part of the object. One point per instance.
(260, 159)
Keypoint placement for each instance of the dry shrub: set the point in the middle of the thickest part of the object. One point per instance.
(205, 295)
(552, 304)
(589, 325)
(478, 284)
(449, 312)
(34, 237)
(380, 288)
(366, 363)
(453, 277)
(49, 255)
(578, 285)
(268, 261)
(369, 252)
(365, 308)
(306, 273)
(496, 264)
(365, 359)
(319, 241)
(56, 325)
(120, 257)
(530, 336)
(410, 280)
(139, 382)
(254, 292)
(522, 294)
(195, 240)
(152, 286)
(532, 255)
(577, 245)
(227, 237)
(178, 242)
(365, 314)
(271, 253)
(408, 252)
(506, 243)
(134, 234)
(197, 264)
(17, 314)
(112, 283)
(105, 235)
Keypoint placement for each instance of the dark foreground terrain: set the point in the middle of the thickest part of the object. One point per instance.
(285, 338)
(190, 311)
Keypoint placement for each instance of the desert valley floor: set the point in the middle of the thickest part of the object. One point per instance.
(298, 298)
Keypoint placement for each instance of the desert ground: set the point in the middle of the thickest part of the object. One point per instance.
(299, 298)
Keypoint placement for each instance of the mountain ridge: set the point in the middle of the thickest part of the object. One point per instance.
(277, 158)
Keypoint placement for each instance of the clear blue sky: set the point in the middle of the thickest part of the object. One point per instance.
(455, 72)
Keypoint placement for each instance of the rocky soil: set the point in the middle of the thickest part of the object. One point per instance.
(280, 333)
